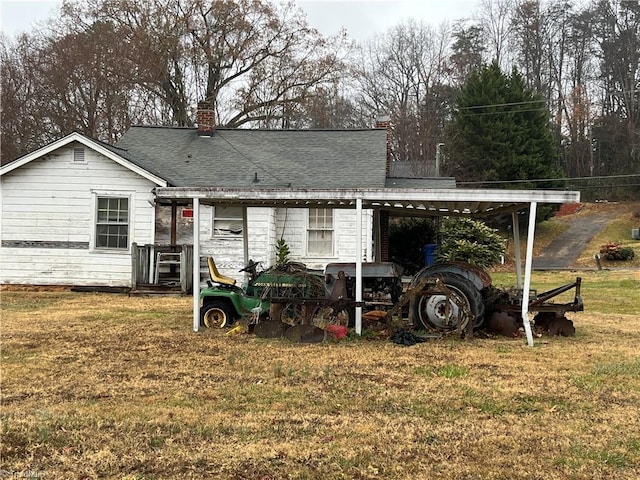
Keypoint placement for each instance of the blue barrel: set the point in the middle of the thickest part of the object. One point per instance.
(429, 252)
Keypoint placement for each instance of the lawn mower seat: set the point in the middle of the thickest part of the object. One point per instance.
(216, 276)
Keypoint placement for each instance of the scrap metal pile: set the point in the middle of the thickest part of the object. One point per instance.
(444, 298)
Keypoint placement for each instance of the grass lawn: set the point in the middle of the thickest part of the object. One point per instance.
(110, 386)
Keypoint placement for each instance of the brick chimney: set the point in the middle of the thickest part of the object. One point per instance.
(384, 121)
(205, 118)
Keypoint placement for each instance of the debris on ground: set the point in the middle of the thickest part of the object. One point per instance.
(407, 338)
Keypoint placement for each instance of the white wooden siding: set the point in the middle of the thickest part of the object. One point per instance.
(227, 251)
(52, 200)
(294, 223)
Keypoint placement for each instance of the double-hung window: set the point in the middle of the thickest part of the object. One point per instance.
(320, 232)
(112, 223)
(227, 221)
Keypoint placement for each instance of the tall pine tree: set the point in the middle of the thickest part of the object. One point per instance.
(500, 131)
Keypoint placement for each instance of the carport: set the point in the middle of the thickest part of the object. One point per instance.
(397, 201)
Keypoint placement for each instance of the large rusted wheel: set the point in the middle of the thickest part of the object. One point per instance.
(451, 309)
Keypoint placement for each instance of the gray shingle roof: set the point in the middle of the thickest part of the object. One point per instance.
(232, 158)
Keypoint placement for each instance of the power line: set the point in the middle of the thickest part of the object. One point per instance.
(538, 180)
(503, 112)
(594, 187)
(510, 104)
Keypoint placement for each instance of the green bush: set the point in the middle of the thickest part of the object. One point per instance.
(282, 252)
(469, 241)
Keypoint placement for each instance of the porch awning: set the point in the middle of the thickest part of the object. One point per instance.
(398, 201)
(418, 202)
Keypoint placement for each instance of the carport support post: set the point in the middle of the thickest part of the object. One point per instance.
(245, 239)
(516, 248)
(527, 273)
(196, 264)
(359, 265)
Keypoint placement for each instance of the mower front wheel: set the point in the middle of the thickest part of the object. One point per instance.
(215, 315)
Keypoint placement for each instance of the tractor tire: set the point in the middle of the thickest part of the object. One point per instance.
(216, 314)
(437, 312)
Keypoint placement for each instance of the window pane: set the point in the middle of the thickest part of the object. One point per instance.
(229, 212)
(321, 218)
(320, 242)
(320, 235)
(227, 221)
(112, 225)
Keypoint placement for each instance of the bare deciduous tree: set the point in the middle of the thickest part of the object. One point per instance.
(402, 73)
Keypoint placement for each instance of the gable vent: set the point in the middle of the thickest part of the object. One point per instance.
(78, 154)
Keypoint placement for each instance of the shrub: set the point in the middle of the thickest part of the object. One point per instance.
(470, 241)
(614, 251)
(282, 252)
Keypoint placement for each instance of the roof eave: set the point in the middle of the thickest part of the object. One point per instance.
(89, 143)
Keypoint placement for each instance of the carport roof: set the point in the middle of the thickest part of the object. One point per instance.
(401, 201)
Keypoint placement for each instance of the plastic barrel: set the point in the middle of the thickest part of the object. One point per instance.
(429, 252)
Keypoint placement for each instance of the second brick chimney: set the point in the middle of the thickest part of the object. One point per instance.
(384, 121)
(205, 119)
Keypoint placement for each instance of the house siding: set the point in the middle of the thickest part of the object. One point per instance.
(293, 223)
(48, 220)
(228, 252)
(268, 225)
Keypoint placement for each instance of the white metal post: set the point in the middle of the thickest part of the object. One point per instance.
(516, 248)
(369, 232)
(527, 273)
(245, 239)
(359, 264)
(196, 264)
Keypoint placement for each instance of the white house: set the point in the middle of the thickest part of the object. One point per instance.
(70, 212)
(80, 212)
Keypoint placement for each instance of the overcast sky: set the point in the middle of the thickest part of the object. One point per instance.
(361, 18)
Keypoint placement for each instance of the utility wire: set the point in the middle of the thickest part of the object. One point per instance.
(536, 180)
(503, 112)
(510, 104)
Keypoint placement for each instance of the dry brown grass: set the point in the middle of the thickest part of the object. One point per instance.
(107, 386)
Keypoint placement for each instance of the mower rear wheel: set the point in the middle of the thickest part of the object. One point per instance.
(215, 315)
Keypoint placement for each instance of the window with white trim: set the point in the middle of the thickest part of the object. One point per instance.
(112, 223)
(320, 232)
(227, 221)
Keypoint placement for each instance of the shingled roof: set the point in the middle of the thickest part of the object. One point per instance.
(260, 158)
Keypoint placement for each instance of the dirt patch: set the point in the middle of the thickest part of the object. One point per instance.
(569, 209)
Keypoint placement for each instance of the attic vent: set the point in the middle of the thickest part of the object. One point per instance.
(78, 154)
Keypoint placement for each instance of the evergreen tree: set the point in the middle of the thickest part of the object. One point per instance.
(500, 131)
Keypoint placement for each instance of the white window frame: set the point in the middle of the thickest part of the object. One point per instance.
(95, 197)
(232, 222)
(332, 229)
